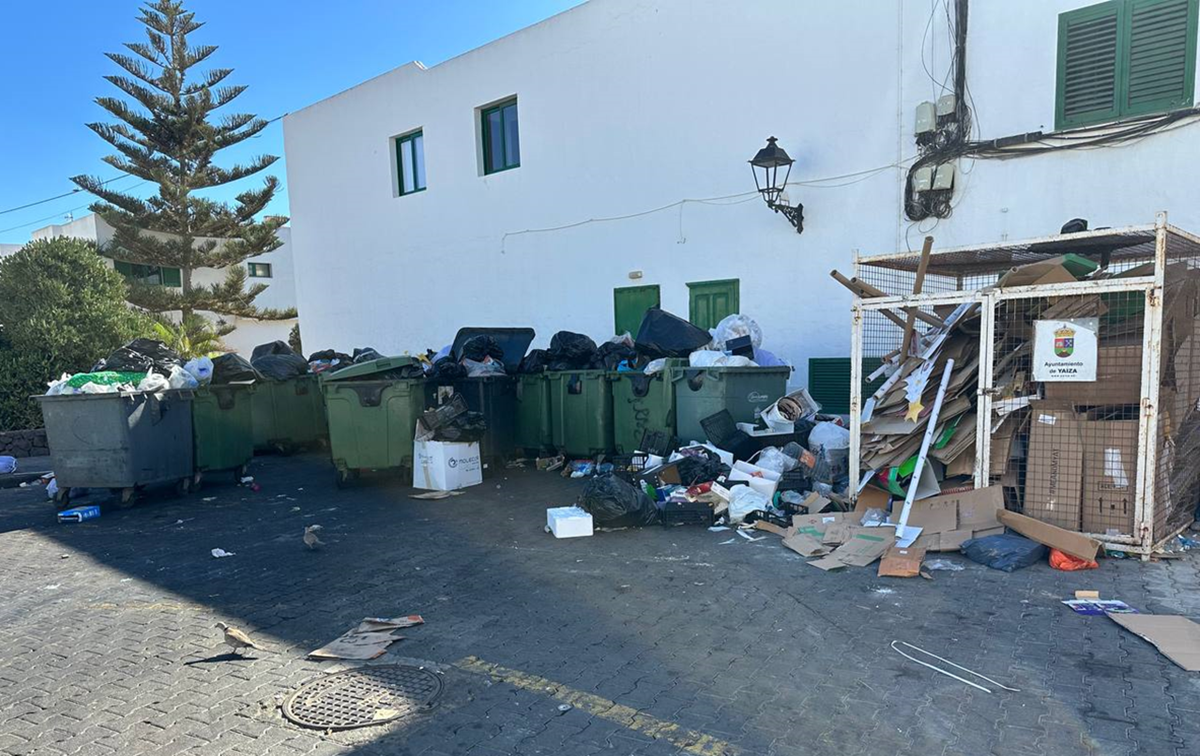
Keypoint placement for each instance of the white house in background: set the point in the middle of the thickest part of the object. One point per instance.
(274, 269)
(537, 181)
(8, 249)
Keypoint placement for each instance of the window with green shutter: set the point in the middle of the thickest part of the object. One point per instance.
(151, 275)
(1125, 58)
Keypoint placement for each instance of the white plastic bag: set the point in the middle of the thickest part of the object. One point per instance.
(8, 465)
(743, 500)
(151, 384)
(828, 436)
(52, 488)
(773, 459)
(711, 358)
(200, 368)
(736, 326)
(180, 378)
(60, 386)
(485, 368)
(655, 366)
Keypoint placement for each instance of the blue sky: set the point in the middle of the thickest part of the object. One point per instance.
(291, 54)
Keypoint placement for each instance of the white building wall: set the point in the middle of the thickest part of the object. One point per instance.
(280, 293)
(631, 105)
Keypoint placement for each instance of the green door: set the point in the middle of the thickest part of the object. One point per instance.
(629, 307)
(709, 302)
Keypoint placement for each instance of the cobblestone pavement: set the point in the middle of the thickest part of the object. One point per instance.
(661, 640)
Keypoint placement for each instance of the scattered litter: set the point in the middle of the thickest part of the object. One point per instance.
(435, 495)
(64, 556)
(221, 553)
(749, 537)
(902, 562)
(1087, 594)
(8, 465)
(1060, 560)
(246, 480)
(294, 509)
(726, 543)
(208, 498)
(883, 591)
(310, 537)
(717, 528)
(79, 514)
(568, 522)
(1096, 607)
(943, 564)
(369, 640)
(952, 664)
(1175, 637)
(565, 707)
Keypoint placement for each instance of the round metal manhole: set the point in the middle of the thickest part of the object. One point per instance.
(363, 697)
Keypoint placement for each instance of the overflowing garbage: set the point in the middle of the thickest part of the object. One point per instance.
(142, 365)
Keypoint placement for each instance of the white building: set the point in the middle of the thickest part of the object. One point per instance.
(627, 107)
(274, 269)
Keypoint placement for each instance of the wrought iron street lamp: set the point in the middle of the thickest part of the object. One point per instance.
(766, 165)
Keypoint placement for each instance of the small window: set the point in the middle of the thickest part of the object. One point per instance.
(150, 275)
(410, 163)
(1125, 58)
(259, 270)
(501, 142)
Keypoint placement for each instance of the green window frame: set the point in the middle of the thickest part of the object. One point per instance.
(410, 163)
(1125, 58)
(151, 275)
(501, 137)
(710, 302)
(259, 270)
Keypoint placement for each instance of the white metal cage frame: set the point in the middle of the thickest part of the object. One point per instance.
(969, 275)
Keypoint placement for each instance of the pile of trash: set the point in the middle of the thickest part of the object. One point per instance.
(142, 365)
(329, 360)
(451, 422)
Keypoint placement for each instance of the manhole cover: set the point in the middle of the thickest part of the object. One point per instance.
(363, 697)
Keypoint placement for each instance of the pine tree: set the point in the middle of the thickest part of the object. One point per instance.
(172, 140)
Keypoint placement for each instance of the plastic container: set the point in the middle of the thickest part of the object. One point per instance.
(744, 391)
(643, 403)
(495, 395)
(581, 412)
(288, 415)
(533, 432)
(372, 422)
(122, 441)
(223, 428)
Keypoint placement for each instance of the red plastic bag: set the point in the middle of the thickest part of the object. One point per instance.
(1067, 563)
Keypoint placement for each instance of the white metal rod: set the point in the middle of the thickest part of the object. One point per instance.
(959, 666)
(930, 430)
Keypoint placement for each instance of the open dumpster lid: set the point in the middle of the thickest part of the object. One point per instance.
(513, 341)
(367, 369)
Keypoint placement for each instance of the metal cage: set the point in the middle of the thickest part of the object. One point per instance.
(1114, 457)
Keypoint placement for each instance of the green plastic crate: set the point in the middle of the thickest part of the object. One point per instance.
(223, 427)
(581, 412)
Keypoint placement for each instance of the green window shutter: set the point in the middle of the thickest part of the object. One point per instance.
(172, 277)
(123, 268)
(1161, 58)
(1089, 65)
(829, 382)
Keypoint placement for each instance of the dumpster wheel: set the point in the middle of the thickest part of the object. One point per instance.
(127, 496)
(345, 478)
(62, 497)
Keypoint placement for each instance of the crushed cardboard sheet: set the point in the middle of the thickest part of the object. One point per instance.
(1175, 637)
(369, 640)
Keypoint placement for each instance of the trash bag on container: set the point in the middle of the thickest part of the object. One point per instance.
(571, 351)
(446, 371)
(711, 358)
(1006, 551)
(182, 379)
(614, 503)
(665, 335)
(140, 356)
(274, 347)
(733, 327)
(534, 362)
(277, 361)
(200, 368)
(479, 348)
(365, 355)
(615, 351)
(233, 368)
(468, 427)
(483, 369)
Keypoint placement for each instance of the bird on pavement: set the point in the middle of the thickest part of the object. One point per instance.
(310, 536)
(237, 639)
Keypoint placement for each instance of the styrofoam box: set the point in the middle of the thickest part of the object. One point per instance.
(568, 522)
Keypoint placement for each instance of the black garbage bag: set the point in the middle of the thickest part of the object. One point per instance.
(366, 354)
(478, 348)
(141, 356)
(274, 347)
(1006, 551)
(534, 362)
(700, 466)
(613, 353)
(330, 355)
(665, 335)
(466, 428)
(614, 503)
(233, 368)
(571, 351)
(446, 371)
(278, 361)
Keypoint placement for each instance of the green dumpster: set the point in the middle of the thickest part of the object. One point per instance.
(581, 412)
(373, 415)
(494, 396)
(533, 413)
(744, 391)
(223, 428)
(643, 402)
(288, 414)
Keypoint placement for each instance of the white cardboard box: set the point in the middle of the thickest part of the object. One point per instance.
(446, 466)
(568, 522)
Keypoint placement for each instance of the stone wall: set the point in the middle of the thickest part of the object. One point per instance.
(24, 443)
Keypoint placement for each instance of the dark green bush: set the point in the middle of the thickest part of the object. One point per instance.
(61, 309)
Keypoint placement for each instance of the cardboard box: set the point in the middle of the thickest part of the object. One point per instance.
(1118, 379)
(1042, 272)
(901, 562)
(1054, 469)
(952, 518)
(1109, 476)
(1075, 544)
(446, 466)
(568, 522)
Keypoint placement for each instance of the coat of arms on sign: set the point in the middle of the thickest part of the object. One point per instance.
(1064, 342)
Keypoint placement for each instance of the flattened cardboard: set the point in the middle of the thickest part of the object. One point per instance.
(864, 546)
(1118, 379)
(771, 527)
(976, 511)
(901, 562)
(836, 533)
(963, 465)
(816, 524)
(1175, 637)
(1075, 544)
(1109, 475)
(805, 545)
(1054, 472)
(871, 498)
(935, 515)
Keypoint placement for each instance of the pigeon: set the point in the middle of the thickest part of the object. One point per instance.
(236, 639)
(310, 537)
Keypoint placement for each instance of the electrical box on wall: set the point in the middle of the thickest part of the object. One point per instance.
(946, 105)
(923, 179)
(926, 119)
(943, 179)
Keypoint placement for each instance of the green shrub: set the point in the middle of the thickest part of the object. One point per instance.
(61, 309)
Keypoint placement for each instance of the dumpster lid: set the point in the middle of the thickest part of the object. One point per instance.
(513, 341)
(366, 369)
